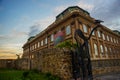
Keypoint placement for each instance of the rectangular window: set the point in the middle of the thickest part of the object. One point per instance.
(103, 36)
(85, 28)
(101, 49)
(95, 49)
(114, 40)
(46, 40)
(93, 31)
(99, 35)
(52, 37)
(108, 38)
(42, 43)
(35, 46)
(38, 44)
(68, 30)
(106, 50)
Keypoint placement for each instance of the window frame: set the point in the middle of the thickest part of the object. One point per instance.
(42, 43)
(52, 37)
(95, 49)
(85, 28)
(68, 30)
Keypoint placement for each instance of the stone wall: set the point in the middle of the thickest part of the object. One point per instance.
(54, 61)
(7, 63)
(58, 62)
(107, 66)
(23, 64)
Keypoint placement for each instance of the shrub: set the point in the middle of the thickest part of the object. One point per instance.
(66, 44)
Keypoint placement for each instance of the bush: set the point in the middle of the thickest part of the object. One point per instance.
(66, 44)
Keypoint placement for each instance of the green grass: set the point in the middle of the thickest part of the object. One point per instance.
(6, 74)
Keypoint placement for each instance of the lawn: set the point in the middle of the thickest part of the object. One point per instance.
(25, 75)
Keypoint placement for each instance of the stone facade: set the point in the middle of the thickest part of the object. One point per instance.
(58, 62)
(55, 61)
(104, 45)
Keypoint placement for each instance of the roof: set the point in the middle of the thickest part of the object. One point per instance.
(72, 7)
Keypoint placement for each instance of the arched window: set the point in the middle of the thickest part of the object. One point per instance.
(95, 49)
(101, 49)
(68, 30)
(85, 28)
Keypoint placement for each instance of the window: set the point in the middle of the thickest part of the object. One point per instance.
(85, 28)
(117, 40)
(38, 44)
(42, 43)
(101, 49)
(89, 48)
(46, 40)
(93, 31)
(108, 38)
(99, 34)
(114, 41)
(110, 50)
(103, 36)
(95, 49)
(106, 50)
(111, 39)
(32, 56)
(35, 46)
(52, 37)
(68, 30)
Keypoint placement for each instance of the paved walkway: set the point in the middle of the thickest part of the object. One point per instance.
(108, 77)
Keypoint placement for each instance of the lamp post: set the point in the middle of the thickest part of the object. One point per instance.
(83, 55)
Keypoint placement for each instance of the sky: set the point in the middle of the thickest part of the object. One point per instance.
(20, 19)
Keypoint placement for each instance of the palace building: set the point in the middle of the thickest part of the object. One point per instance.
(104, 43)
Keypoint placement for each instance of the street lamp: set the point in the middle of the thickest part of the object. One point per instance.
(83, 55)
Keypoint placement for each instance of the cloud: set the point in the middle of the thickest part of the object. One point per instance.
(40, 25)
(34, 30)
(11, 43)
(7, 56)
(59, 9)
(85, 5)
(12, 36)
(16, 33)
(8, 51)
(81, 4)
(108, 11)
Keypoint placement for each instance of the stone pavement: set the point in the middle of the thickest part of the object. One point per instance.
(108, 77)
